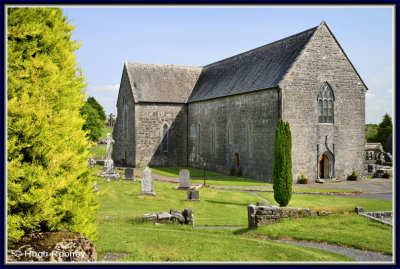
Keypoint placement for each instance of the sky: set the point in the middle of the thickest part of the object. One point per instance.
(197, 36)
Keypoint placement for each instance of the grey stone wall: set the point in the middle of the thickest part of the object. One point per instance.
(259, 108)
(324, 61)
(124, 134)
(264, 215)
(149, 120)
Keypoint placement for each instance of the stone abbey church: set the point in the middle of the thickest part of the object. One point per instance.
(226, 112)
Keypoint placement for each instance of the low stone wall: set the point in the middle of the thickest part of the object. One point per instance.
(385, 217)
(264, 215)
(182, 217)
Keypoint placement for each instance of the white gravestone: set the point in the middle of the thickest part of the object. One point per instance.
(184, 176)
(147, 183)
(108, 169)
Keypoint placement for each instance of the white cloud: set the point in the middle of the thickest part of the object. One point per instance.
(369, 95)
(104, 88)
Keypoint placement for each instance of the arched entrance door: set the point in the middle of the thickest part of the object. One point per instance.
(323, 166)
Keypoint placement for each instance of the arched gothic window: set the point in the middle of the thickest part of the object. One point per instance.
(164, 143)
(325, 104)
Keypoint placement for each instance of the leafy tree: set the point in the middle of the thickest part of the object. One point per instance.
(282, 174)
(93, 102)
(93, 123)
(49, 187)
(384, 130)
(371, 132)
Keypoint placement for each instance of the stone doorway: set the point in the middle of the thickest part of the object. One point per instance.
(323, 166)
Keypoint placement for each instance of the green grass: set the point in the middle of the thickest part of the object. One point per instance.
(174, 171)
(98, 151)
(168, 242)
(231, 181)
(332, 203)
(104, 132)
(216, 207)
(349, 230)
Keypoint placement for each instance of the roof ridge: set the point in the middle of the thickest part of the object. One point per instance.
(164, 65)
(263, 46)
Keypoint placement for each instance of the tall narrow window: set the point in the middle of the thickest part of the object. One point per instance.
(250, 139)
(124, 114)
(229, 133)
(164, 143)
(213, 138)
(326, 104)
(199, 142)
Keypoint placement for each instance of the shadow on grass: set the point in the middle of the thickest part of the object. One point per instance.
(241, 231)
(225, 203)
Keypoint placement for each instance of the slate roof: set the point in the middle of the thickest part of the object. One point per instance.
(257, 69)
(162, 83)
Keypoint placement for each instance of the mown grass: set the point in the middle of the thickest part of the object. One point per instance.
(104, 132)
(174, 171)
(349, 230)
(168, 242)
(231, 181)
(216, 207)
(332, 203)
(98, 151)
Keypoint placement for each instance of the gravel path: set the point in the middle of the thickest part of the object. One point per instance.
(357, 254)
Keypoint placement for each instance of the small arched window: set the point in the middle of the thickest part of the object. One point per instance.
(164, 143)
(325, 104)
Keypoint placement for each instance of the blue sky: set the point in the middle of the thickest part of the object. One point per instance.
(198, 36)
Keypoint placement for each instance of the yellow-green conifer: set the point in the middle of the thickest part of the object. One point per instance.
(49, 187)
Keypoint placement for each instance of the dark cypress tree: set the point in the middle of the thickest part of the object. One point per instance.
(282, 174)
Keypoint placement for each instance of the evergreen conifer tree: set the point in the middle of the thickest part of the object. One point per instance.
(49, 187)
(282, 174)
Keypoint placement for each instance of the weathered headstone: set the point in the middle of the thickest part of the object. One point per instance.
(147, 183)
(184, 176)
(108, 169)
(91, 163)
(129, 173)
(193, 196)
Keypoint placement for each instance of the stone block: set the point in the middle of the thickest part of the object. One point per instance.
(359, 209)
(177, 216)
(164, 217)
(129, 174)
(193, 196)
(189, 218)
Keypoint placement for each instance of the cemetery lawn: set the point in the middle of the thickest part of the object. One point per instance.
(231, 181)
(332, 204)
(121, 200)
(104, 132)
(174, 171)
(172, 242)
(349, 230)
(98, 151)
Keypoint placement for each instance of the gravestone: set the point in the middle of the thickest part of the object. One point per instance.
(147, 183)
(129, 174)
(95, 187)
(108, 169)
(193, 196)
(91, 163)
(184, 176)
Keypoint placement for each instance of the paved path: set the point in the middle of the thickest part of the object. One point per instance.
(357, 254)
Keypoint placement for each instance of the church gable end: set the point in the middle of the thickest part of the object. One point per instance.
(330, 125)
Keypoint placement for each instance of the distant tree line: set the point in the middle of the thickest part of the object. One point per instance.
(379, 133)
(94, 116)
